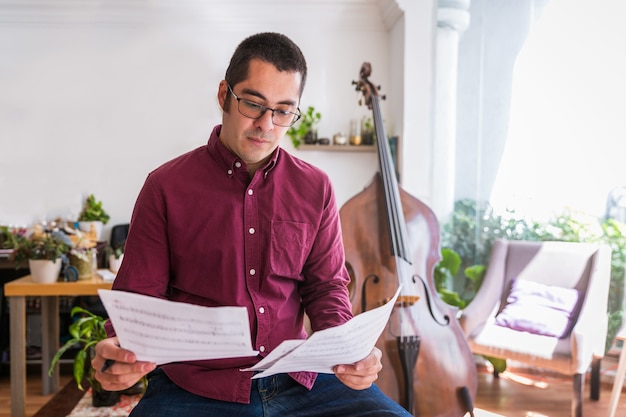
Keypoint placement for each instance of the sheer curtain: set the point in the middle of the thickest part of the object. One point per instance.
(566, 141)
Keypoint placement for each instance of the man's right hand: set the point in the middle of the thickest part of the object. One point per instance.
(124, 372)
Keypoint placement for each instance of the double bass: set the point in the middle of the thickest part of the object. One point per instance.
(391, 239)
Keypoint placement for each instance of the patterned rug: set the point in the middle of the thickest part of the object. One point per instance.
(121, 409)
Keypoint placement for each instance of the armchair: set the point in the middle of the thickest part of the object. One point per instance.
(543, 304)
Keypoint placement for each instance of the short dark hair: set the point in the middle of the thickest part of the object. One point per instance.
(273, 48)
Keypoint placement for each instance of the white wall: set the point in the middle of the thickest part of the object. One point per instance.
(93, 95)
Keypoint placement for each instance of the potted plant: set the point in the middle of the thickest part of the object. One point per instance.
(82, 258)
(8, 239)
(85, 333)
(115, 255)
(92, 216)
(306, 128)
(43, 251)
(368, 132)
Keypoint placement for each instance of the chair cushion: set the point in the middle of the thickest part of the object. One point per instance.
(540, 309)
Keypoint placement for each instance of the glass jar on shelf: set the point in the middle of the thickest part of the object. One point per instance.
(355, 132)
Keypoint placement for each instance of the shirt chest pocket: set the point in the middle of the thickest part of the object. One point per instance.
(290, 246)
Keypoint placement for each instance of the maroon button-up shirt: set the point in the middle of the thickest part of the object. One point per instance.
(204, 232)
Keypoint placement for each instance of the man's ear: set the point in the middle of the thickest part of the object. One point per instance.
(222, 91)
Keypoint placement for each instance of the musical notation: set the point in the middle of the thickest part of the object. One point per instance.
(343, 344)
(163, 331)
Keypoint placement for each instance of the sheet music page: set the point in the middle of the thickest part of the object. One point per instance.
(163, 331)
(343, 344)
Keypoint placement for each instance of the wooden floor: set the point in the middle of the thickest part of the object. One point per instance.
(517, 393)
(34, 399)
(523, 392)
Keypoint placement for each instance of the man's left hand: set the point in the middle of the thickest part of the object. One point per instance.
(362, 374)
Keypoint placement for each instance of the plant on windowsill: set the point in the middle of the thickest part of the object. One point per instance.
(86, 331)
(305, 129)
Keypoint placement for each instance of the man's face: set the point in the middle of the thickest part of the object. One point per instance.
(253, 140)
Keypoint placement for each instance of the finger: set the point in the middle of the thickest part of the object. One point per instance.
(358, 382)
(121, 375)
(118, 382)
(109, 350)
(124, 368)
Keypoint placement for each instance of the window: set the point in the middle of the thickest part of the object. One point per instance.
(542, 105)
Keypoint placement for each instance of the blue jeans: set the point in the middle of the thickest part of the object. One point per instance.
(274, 396)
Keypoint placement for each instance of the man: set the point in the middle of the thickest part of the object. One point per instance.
(240, 222)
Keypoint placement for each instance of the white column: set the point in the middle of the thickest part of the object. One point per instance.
(453, 19)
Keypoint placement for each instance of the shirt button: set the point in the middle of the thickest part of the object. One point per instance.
(251, 230)
(262, 348)
(250, 192)
(238, 164)
(230, 172)
(252, 271)
(262, 310)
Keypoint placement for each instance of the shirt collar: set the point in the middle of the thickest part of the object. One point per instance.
(230, 160)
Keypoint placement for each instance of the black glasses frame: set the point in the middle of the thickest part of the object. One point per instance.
(262, 109)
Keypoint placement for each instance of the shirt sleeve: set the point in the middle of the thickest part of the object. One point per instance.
(146, 266)
(324, 291)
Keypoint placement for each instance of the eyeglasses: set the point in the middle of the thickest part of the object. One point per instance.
(255, 110)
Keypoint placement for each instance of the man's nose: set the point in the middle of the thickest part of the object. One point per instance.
(265, 122)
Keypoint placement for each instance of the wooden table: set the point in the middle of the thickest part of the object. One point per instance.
(18, 290)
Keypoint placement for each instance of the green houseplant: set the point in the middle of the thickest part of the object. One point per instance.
(93, 216)
(93, 211)
(43, 246)
(8, 239)
(368, 131)
(474, 226)
(43, 251)
(115, 254)
(305, 130)
(86, 332)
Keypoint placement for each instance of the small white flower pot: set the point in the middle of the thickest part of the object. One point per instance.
(86, 227)
(115, 263)
(44, 271)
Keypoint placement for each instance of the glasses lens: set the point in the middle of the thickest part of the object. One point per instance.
(284, 118)
(255, 110)
(251, 109)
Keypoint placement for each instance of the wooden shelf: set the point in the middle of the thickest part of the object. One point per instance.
(338, 148)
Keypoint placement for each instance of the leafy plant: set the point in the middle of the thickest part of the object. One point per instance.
(368, 124)
(82, 253)
(93, 211)
(445, 272)
(116, 251)
(368, 131)
(307, 124)
(86, 332)
(8, 239)
(45, 246)
(473, 228)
